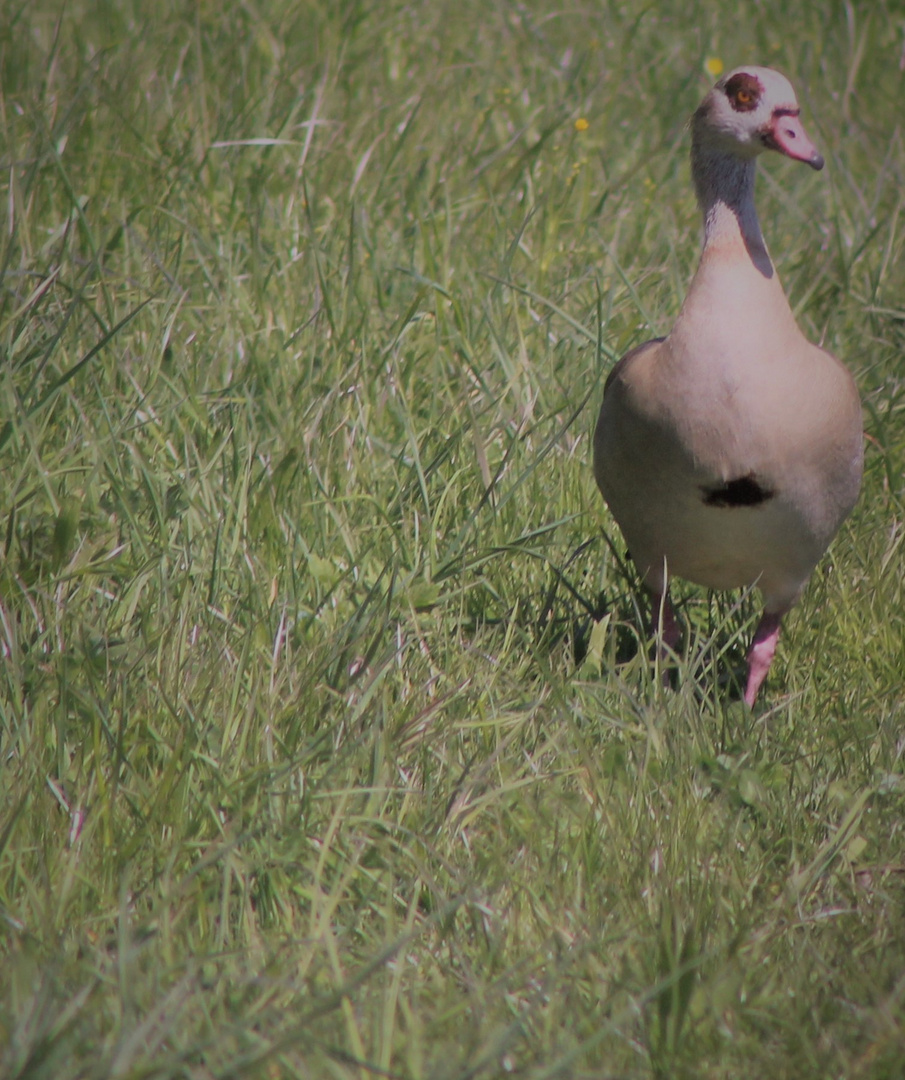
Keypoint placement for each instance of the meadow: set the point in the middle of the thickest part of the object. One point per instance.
(330, 742)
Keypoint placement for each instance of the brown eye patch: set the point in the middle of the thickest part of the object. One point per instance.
(744, 91)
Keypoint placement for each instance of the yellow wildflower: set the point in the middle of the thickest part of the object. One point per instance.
(581, 124)
(713, 65)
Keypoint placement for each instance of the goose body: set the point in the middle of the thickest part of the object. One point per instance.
(730, 451)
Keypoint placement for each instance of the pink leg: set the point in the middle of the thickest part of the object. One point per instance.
(665, 628)
(760, 655)
(664, 617)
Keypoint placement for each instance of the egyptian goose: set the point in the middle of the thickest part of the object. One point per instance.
(730, 451)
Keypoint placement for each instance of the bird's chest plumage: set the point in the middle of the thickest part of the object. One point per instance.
(727, 382)
(722, 427)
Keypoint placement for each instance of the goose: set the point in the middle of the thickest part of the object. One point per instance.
(730, 451)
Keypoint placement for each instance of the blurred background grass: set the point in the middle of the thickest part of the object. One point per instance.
(327, 745)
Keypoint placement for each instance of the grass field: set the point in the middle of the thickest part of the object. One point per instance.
(327, 746)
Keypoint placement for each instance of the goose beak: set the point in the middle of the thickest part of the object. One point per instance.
(786, 134)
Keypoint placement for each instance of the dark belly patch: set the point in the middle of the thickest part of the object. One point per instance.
(743, 491)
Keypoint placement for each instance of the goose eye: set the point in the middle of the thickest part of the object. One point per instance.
(744, 91)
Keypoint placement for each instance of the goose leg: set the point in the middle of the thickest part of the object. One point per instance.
(760, 654)
(664, 623)
(665, 628)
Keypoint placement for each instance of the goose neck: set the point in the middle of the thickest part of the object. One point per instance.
(725, 188)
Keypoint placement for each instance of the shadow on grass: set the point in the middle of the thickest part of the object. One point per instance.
(712, 651)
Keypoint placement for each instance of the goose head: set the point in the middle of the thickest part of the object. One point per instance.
(752, 109)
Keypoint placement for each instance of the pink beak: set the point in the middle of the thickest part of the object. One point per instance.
(786, 134)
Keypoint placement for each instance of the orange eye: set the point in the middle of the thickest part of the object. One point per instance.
(744, 91)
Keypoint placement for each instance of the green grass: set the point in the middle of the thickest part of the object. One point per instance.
(327, 748)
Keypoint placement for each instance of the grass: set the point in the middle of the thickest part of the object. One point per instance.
(328, 749)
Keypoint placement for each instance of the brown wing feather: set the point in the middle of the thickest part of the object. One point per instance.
(620, 364)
